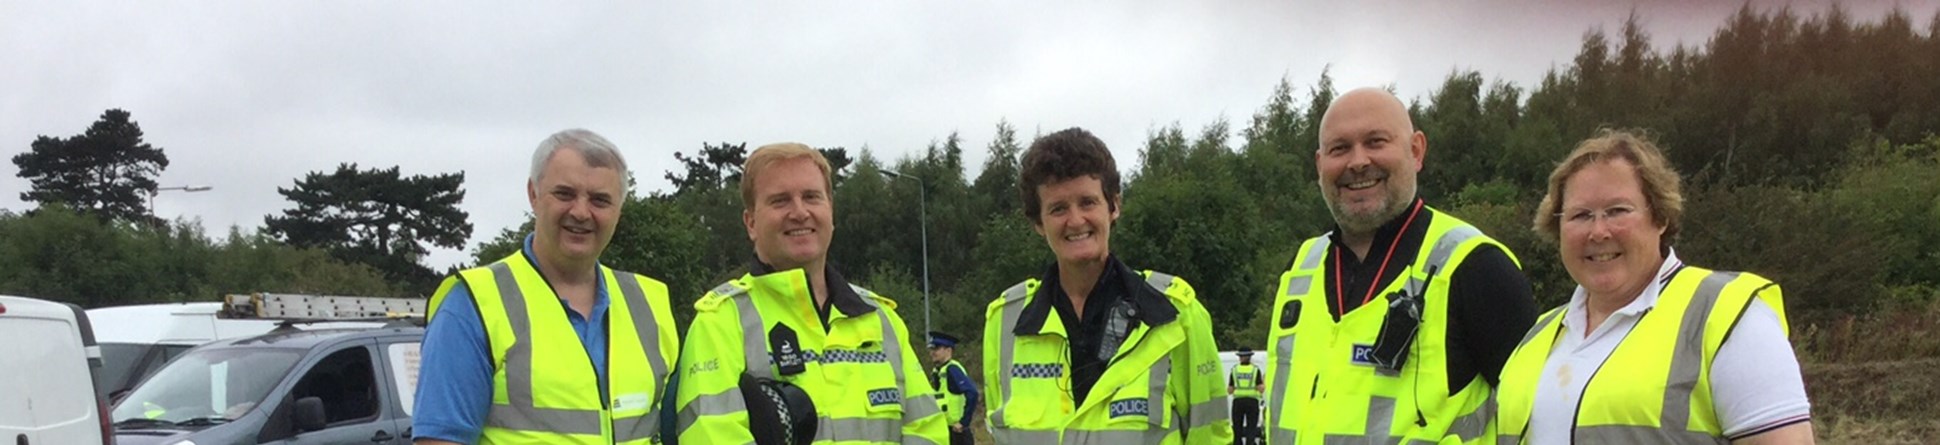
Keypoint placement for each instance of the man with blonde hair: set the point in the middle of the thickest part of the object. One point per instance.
(792, 353)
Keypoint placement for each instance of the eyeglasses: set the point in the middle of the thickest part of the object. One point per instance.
(1616, 216)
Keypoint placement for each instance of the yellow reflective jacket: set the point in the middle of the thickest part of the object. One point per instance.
(1323, 388)
(1663, 392)
(861, 372)
(543, 390)
(1164, 385)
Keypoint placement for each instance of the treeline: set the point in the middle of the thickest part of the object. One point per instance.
(1807, 141)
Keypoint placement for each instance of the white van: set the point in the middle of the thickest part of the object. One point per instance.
(137, 340)
(47, 389)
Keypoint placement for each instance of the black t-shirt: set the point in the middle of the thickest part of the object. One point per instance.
(1490, 302)
(1085, 333)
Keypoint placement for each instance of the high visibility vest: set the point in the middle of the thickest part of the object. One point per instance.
(1163, 385)
(1323, 388)
(1663, 392)
(1243, 378)
(953, 403)
(865, 381)
(544, 388)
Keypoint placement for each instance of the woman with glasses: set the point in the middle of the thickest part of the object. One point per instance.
(1648, 349)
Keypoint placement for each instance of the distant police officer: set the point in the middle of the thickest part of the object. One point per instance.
(959, 393)
(1245, 384)
(791, 353)
(1093, 351)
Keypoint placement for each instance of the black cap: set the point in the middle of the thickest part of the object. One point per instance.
(1243, 352)
(938, 339)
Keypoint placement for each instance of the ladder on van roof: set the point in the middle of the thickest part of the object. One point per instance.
(319, 308)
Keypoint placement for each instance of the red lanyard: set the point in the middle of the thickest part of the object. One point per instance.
(1340, 292)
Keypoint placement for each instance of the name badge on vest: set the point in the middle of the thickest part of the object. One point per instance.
(787, 351)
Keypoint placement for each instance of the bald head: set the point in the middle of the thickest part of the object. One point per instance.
(1370, 105)
(1368, 156)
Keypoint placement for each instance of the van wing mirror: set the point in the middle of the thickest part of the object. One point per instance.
(309, 414)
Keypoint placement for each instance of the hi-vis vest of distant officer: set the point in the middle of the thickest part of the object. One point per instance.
(1243, 377)
(1162, 385)
(1661, 392)
(1329, 381)
(866, 383)
(543, 384)
(953, 403)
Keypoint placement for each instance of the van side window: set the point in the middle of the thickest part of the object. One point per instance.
(346, 382)
(404, 360)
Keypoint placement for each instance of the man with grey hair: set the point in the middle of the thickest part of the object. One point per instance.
(547, 345)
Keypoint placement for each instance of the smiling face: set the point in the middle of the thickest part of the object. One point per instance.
(1075, 219)
(790, 218)
(1609, 241)
(1367, 160)
(575, 207)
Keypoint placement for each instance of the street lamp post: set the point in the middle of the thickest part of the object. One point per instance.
(923, 210)
(184, 188)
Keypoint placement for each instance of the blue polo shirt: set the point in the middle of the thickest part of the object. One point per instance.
(455, 373)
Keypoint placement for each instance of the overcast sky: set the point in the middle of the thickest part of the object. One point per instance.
(247, 96)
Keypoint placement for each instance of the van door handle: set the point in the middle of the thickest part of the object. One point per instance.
(381, 437)
(407, 433)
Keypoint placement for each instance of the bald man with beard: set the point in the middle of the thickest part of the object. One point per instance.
(1394, 326)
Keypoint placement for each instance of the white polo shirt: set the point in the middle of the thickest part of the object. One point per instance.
(1755, 381)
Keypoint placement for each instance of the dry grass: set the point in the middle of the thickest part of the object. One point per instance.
(1874, 378)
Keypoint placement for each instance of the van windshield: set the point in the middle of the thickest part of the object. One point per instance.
(205, 387)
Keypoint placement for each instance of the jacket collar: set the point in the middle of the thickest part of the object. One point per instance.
(1154, 308)
(841, 295)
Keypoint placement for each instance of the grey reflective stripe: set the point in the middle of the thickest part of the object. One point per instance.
(518, 357)
(730, 401)
(1159, 280)
(754, 346)
(1507, 439)
(1114, 437)
(1358, 440)
(550, 420)
(1006, 436)
(1207, 413)
(1315, 253)
(1282, 436)
(1439, 255)
(1277, 395)
(1687, 360)
(647, 329)
(1006, 354)
(1445, 246)
(1300, 285)
(519, 413)
(1540, 325)
(1309, 263)
(1155, 381)
(1380, 416)
(1623, 434)
(892, 344)
(1472, 425)
(632, 428)
(858, 429)
(920, 406)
